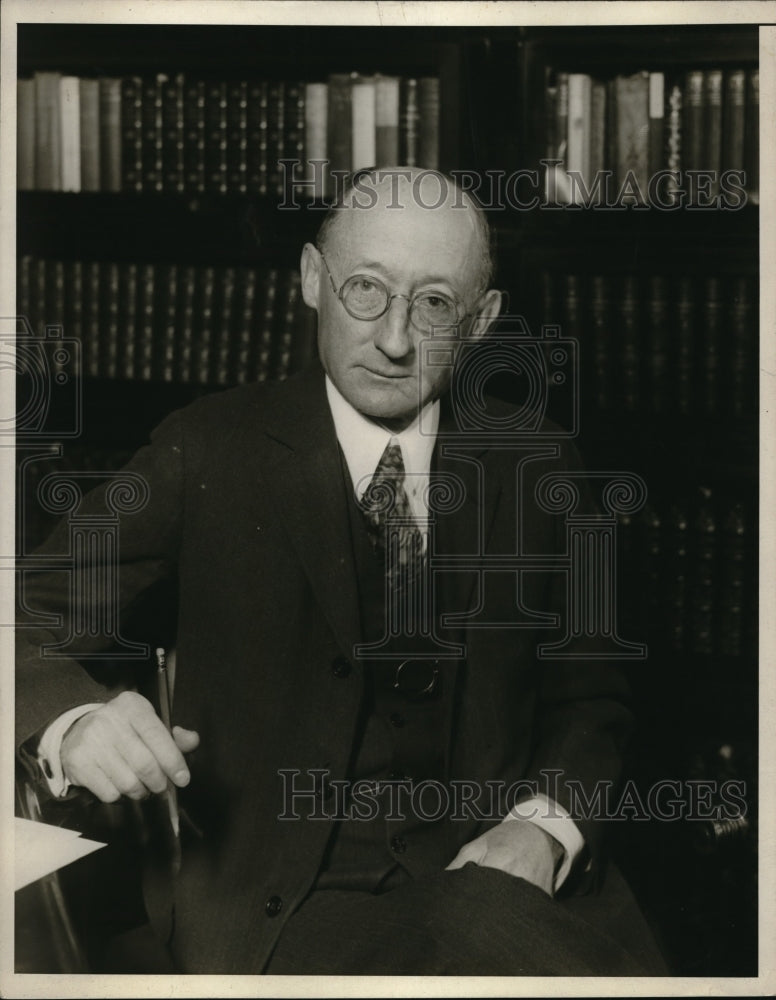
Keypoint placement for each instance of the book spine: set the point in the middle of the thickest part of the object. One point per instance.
(674, 141)
(579, 125)
(38, 316)
(24, 287)
(188, 305)
(258, 127)
(339, 130)
(693, 121)
(194, 136)
(601, 316)
(276, 129)
(409, 146)
(48, 132)
(284, 336)
(702, 601)
(363, 124)
(225, 329)
(675, 583)
(109, 320)
(712, 127)
(90, 134)
(203, 334)
(237, 137)
(656, 122)
(74, 304)
(630, 353)
(387, 121)
(733, 583)
(562, 120)
(215, 138)
(713, 323)
(429, 107)
(735, 116)
(128, 293)
(132, 133)
(294, 138)
(144, 356)
(69, 106)
(658, 374)
(167, 322)
(685, 343)
(742, 333)
(25, 134)
(597, 129)
(244, 318)
(173, 135)
(92, 346)
(752, 136)
(316, 146)
(153, 139)
(633, 136)
(55, 312)
(110, 133)
(266, 326)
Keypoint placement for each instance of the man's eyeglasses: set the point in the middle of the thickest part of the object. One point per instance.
(365, 297)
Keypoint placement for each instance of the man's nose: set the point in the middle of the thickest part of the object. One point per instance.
(394, 337)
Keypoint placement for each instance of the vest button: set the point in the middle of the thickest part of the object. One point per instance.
(396, 720)
(341, 667)
(398, 844)
(273, 906)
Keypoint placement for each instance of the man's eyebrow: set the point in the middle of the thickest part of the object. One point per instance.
(376, 266)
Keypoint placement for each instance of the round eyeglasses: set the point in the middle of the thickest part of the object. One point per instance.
(365, 297)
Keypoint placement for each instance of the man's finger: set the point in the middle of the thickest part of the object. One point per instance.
(473, 851)
(88, 775)
(151, 730)
(123, 777)
(185, 739)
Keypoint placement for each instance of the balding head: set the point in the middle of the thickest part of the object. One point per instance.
(425, 194)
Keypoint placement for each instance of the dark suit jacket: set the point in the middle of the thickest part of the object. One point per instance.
(247, 508)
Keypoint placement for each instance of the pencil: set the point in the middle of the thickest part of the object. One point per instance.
(164, 708)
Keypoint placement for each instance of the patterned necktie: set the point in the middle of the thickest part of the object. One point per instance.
(389, 519)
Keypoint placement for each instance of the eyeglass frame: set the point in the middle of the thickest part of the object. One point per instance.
(391, 297)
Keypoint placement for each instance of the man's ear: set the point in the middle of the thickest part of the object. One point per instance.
(310, 266)
(487, 313)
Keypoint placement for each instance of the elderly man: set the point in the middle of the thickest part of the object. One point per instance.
(299, 521)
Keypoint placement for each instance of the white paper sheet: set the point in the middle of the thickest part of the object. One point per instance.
(40, 848)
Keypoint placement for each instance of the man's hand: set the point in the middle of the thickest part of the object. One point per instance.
(517, 847)
(123, 748)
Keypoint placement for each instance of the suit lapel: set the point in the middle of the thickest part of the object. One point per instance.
(303, 474)
(465, 529)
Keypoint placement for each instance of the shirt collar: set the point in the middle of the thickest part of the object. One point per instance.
(363, 441)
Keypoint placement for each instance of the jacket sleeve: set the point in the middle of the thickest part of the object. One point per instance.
(147, 532)
(583, 718)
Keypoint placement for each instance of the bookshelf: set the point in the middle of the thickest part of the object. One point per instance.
(662, 302)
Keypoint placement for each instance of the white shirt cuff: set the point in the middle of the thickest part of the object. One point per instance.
(51, 744)
(551, 817)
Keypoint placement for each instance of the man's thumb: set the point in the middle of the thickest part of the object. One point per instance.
(186, 740)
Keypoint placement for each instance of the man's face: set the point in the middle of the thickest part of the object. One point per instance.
(376, 364)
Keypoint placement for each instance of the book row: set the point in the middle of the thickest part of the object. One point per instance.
(174, 133)
(693, 564)
(669, 344)
(642, 125)
(201, 324)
